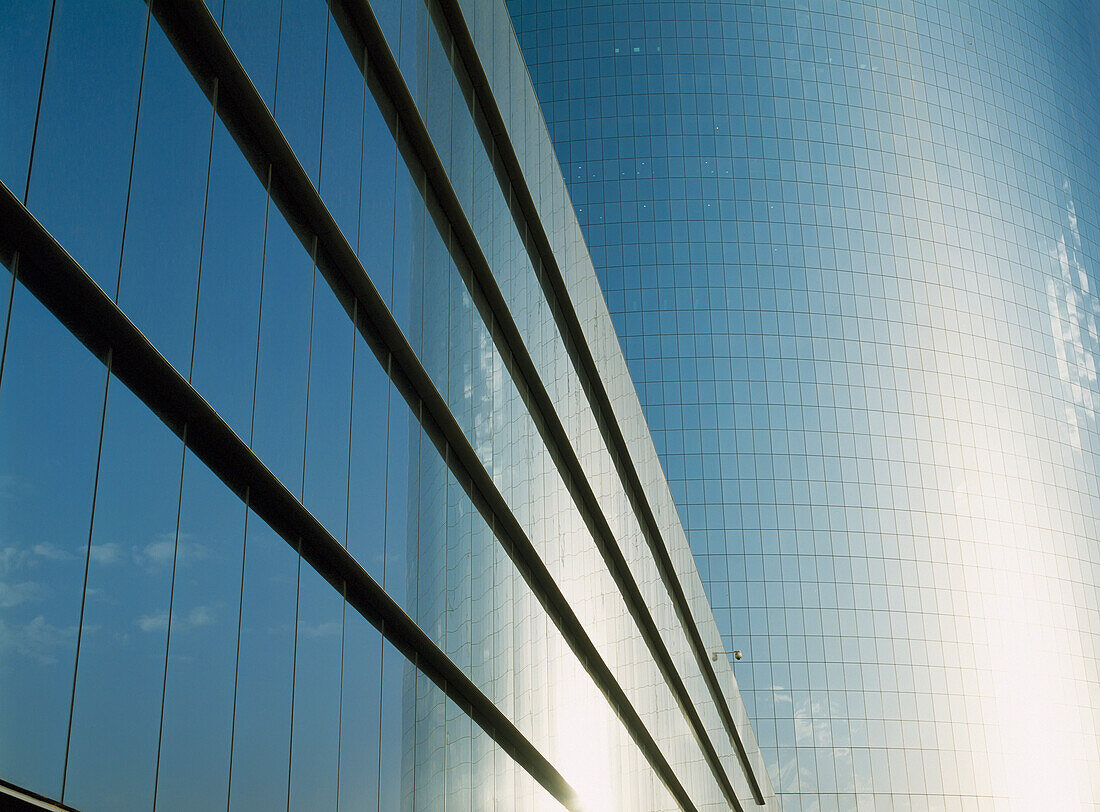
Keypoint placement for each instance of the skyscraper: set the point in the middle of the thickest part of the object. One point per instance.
(851, 251)
(323, 482)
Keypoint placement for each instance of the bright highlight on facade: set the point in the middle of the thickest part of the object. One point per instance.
(323, 481)
(852, 253)
(357, 454)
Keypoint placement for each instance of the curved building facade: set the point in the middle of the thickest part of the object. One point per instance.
(852, 253)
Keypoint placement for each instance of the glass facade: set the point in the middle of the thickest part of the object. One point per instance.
(851, 251)
(323, 482)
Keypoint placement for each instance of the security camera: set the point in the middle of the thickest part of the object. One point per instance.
(737, 654)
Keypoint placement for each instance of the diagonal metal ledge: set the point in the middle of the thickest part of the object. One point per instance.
(17, 799)
(204, 51)
(493, 130)
(364, 35)
(199, 42)
(58, 281)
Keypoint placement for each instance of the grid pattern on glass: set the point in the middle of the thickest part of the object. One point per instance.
(851, 254)
(559, 364)
(174, 626)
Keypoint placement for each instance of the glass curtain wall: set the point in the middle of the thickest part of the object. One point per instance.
(365, 321)
(851, 251)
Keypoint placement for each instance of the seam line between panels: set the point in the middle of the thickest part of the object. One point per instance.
(541, 252)
(66, 290)
(362, 31)
(205, 52)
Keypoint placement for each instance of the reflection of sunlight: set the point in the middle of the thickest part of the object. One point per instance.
(1023, 717)
(1022, 706)
(581, 737)
(1041, 765)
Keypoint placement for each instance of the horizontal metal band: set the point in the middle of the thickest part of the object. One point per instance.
(17, 799)
(67, 291)
(362, 32)
(494, 132)
(204, 50)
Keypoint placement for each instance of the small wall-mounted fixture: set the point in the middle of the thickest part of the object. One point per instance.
(737, 655)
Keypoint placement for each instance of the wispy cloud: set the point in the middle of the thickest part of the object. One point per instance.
(12, 559)
(197, 617)
(15, 594)
(157, 555)
(38, 640)
(51, 552)
(9, 485)
(108, 553)
(153, 623)
(329, 629)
